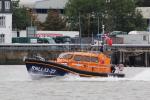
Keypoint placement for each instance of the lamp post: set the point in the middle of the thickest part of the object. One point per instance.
(30, 13)
(98, 29)
(98, 24)
(80, 29)
(103, 29)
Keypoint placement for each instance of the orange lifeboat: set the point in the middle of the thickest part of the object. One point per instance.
(87, 64)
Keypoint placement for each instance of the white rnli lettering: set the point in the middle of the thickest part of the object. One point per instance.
(64, 63)
(41, 69)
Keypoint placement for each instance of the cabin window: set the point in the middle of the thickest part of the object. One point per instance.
(94, 59)
(86, 58)
(90, 59)
(77, 58)
(66, 56)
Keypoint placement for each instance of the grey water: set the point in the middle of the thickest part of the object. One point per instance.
(16, 84)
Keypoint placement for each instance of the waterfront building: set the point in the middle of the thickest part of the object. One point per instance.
(136, 37)
(42, 34)
(40, 8)
(5, 21)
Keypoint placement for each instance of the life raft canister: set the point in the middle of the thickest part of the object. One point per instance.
(121, 67)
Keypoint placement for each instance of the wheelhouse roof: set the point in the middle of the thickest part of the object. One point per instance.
(94, 54)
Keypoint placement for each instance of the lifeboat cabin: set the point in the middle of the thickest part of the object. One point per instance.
(86, 61)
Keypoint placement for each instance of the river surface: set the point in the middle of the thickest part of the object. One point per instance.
(16, 84)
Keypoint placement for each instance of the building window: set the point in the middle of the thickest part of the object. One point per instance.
(62, 11)
(0, 5)
(2, 38)
(42, 11)
(2, 21)
(144, 38)
(7, 5)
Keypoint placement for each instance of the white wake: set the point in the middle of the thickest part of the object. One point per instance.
(132, 74)
(143, 76)
(71, 77)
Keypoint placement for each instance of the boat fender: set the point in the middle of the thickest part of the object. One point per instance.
(121, 67)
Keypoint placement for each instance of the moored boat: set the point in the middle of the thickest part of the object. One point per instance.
(85, 64)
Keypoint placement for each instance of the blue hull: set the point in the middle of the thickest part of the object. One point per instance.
(44, 70)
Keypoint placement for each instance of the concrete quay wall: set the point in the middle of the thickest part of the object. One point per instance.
(129, 55)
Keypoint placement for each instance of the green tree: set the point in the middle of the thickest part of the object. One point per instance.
(125, 15)
(114, 14)
(54, 22)
(85, 10)
(20, 17)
